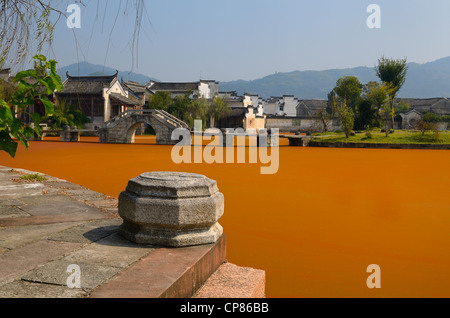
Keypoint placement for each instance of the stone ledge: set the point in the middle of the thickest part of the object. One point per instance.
(377, 145)
(231, 281)
(166, 273)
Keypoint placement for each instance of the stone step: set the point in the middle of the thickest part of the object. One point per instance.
(231, 281)
(167, 273)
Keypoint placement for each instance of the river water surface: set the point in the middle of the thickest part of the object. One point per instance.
(316, 225)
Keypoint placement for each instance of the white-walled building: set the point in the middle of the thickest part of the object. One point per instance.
(202, 89)
(281, 106)
(100, 98)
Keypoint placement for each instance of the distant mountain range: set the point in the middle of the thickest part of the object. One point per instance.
(88, 69)
(422, 81)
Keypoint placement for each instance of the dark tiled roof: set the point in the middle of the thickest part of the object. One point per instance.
(137, 88)
(439, 106)
(209, 81)
(314, 103)
(87, 84)
(420, 102)
(273, 99)
(123, 100)
(231, 93)
(309, 107)
(173, 87)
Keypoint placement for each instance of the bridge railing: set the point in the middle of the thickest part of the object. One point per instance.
(161, 113)
(173, 118)
(127, 113)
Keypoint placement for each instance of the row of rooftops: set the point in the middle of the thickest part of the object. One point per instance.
(95, 84)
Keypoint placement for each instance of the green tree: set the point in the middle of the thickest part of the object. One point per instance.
(161, 100)
(345, 114)
(66, 115)
(33, 85)
(218, 109)
(348, 90)
(393, 72)
(180, 106)
(429, 122)
(324, 117)
(366, 116)
(198, 110)
(387, 112)
(402, 106)
(378, 95)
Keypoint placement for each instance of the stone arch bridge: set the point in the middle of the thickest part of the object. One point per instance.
(122, 128)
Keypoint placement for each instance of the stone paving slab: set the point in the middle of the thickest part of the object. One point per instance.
(87, 232)
(17, 262)
(41, 224)
(92, 275)
(65, 185)
(20, 190)
(15, 237)
(53, 219)
(166, 273)
(53, 205)
(106, 251)
(23, 289)
(12, 212)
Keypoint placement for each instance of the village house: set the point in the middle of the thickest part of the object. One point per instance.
(247, 112)
(281, 106)
(289, 114)
(253, 113)
(137, 89)
(203, 89)
(417, 108)
(235, 118)
(254, 116)
(100, 98)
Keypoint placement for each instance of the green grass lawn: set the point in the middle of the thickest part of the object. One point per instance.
(398, 137)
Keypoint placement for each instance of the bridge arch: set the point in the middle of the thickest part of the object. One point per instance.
(122, 128)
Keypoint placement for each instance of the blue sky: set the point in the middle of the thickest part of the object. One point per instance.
(185, 40)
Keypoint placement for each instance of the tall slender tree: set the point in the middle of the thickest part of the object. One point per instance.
(393, 72)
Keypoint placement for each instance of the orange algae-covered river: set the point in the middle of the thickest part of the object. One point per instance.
(316, 225)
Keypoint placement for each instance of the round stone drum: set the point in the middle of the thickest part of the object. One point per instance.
(174, 209)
